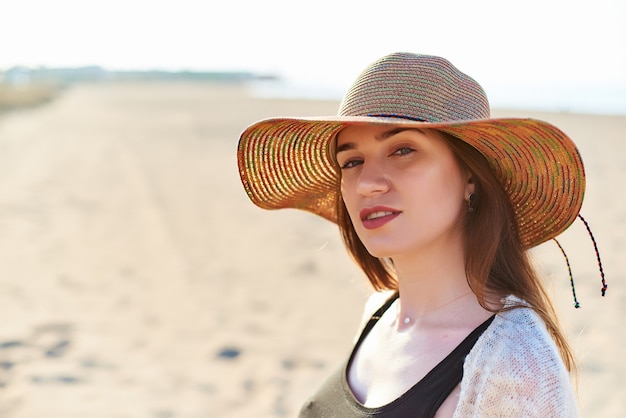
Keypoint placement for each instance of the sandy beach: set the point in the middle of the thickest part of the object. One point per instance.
(137, 280)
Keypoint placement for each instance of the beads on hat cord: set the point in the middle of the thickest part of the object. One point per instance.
(595, 246)
(571, 277)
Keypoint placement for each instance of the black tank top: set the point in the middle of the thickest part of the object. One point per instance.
(336, 400)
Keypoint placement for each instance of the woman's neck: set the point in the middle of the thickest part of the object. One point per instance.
(436, 296)
(433, 285)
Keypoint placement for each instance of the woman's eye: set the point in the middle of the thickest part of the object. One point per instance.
(351, 164)
(404, 151)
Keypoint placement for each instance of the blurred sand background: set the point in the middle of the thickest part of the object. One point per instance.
(137, 280)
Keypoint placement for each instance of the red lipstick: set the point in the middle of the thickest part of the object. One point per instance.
(377, 216)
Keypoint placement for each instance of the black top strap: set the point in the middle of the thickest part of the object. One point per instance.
(335, 398)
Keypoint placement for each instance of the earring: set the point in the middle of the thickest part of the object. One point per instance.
(469, 203)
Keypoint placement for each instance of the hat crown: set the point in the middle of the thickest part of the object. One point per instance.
(418, 87)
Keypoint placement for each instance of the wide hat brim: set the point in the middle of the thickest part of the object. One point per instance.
(287, 163)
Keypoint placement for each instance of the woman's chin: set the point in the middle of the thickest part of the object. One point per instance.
(380, 251)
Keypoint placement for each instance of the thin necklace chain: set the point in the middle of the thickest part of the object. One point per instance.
(407, 319)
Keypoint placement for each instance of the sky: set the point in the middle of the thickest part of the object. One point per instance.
(327, 42)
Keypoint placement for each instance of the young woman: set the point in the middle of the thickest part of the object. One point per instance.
(438, 204)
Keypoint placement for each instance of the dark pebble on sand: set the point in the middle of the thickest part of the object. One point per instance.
(11, 344)
(65, 379)
(58, 349)
(68, 379)
(229, 353)
(6, 365)
(288, 364)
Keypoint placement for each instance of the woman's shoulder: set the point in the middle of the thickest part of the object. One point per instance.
(518, 331)
(376, 300)
(517, 356)
(373, 303)
(519, 325)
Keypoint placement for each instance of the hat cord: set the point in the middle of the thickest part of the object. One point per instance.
(595, 246)
(571, 277)
(569, 268)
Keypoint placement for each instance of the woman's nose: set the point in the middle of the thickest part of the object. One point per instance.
(372, 180)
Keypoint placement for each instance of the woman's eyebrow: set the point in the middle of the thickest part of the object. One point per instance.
(392, 132)
(380, 137)
(345, 147)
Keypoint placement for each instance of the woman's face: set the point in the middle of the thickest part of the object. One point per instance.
(403, 189)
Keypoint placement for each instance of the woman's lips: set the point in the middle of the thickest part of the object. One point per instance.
(378, 216)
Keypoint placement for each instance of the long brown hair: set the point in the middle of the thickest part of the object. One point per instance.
(496, 263)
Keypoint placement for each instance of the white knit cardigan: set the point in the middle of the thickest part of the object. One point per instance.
(513, 370)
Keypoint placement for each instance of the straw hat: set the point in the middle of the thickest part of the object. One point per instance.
(288, 162)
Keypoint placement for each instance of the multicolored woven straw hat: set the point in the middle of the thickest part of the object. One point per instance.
(288, 162)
